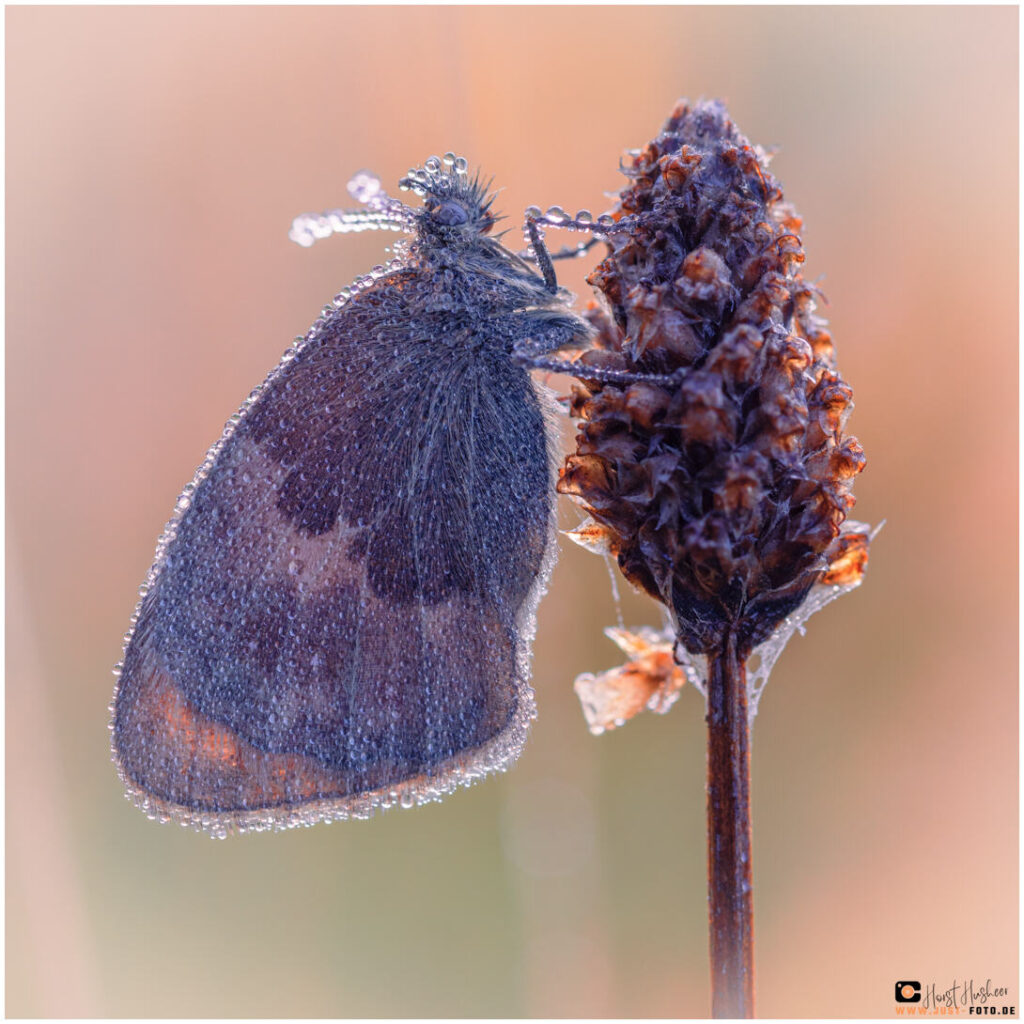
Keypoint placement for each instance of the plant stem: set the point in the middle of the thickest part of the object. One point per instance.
(730, 890)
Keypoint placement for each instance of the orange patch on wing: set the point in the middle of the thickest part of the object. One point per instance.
(176, 753)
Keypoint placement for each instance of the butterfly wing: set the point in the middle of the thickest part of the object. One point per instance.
(342, 615)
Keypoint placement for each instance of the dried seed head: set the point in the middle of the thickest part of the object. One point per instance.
(723, 491)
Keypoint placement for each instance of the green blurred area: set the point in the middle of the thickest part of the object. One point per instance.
(155, 158)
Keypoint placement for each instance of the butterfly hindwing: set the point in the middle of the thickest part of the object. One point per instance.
(344, 610)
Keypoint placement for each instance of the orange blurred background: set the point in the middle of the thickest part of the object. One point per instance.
(155, 159)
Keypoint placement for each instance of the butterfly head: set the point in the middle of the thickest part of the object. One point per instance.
(453, 202)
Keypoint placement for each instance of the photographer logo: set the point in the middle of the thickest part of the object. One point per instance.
(908, 991)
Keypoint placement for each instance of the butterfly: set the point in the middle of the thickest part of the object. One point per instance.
(341, 610)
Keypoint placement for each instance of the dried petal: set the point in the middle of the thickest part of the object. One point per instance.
(650, 679)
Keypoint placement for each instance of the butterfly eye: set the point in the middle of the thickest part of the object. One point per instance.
(449, 213)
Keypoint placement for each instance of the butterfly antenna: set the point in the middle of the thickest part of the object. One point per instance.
(382, 213)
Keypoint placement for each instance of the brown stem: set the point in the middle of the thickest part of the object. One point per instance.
(730, 891)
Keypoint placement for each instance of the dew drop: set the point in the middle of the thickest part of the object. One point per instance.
(364, 186)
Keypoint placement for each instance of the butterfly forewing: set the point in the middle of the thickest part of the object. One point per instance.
(343, 614)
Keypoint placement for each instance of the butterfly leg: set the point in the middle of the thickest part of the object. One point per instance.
(601, 230)
(565, 253)
(576, 251)
(541, 335)
(538, 335)
(540, 255)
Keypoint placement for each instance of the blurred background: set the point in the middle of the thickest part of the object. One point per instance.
(155, 159)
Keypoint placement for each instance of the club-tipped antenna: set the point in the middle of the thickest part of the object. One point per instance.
(382, 213)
